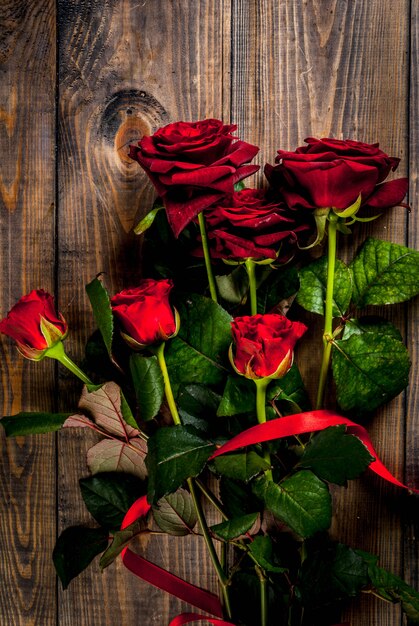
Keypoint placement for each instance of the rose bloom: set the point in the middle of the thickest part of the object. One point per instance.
(34, 324)
(250, 224)
(144, 313)
(332, 173)
(264, 344)
(193, 165)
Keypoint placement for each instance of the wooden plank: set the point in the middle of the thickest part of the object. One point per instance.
(126, 67)
(27, 467)
(411, 555)
(311, 69)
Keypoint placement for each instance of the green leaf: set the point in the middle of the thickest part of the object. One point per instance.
(393, 588)
(333, 572)
(369, 370)
(199, 401)
(127, 413)
(262, 550)
(313, 280)
(233, 287)
(278, 288)
(120, 540)
(75, 549)
(197, 406)
(199, 353)
(302, 501)
(32, 423)
(148, 220)
(384, 273)
(175, 514)
(240, 393)
(241, 466)
(102, 311)
(240, 185)
(336, 456)
(237, 498)
(148, 384)
(239, 397)
(108, 496)
(97, 358)
(370, 324)
(290, 389)
(233, 528)
(174, 454)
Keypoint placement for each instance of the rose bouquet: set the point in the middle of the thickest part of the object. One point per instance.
(190, 381)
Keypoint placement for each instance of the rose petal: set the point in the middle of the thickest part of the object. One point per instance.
(388, 194)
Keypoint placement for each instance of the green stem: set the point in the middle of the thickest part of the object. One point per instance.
(207, 257)
(57, 352)
(211, 498)
(263, 596)
(328, 318)
(159, 352)
(261, 386)
(242, 546)
(251, 272)
(223, 558)
(223, 580)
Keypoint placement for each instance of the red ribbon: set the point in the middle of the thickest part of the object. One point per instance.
(297, 424)
(161, 578)
(187, 618)
(300, 423)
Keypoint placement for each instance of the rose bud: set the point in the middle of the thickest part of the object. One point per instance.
(144, 313)
(34, 324)
(193, 165)
(334, 173)
(263, 345)
(252, 224)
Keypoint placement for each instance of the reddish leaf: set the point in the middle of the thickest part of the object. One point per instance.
(104, 406)
(78, 421)
(112, 455)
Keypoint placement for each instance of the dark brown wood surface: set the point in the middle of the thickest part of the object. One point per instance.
(27, 227)
(282, 71)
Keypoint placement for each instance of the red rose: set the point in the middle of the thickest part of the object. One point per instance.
(264, 344)
(193, 165)
(34, 324)
(332, 173)
(145, 314)
(249, 224)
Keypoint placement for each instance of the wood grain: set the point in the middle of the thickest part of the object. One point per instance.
(282, 71)
(305, 69)
(27, 228)
(126, 68)
(411, 554)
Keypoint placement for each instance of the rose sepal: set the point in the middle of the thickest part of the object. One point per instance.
(55, 351)
(320, 217)
(363, 219)
(52, 336)
(137, 346)
(233, 262)
(33, 354)
(51, 332)
(148, 219)
(267, 261)
(351, 210)
(283, 367)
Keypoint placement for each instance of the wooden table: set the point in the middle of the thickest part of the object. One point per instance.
(80, 80)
